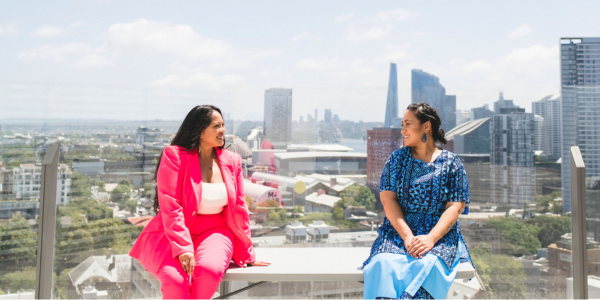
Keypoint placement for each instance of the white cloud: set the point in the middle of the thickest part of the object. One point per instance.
(199, 80)
(394, 15)
(315, 64)
(149, 36)
(48, 31)
(521, 31)
(54, 52)
(521, 60)
(344, 18)
(373, 33)
(303, 35)
(94, 61)
(8, 30)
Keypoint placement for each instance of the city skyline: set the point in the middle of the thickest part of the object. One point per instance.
(109, 59)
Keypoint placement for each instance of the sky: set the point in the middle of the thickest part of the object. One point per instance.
(146, 60)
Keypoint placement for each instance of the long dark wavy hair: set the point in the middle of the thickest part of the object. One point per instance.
(188, 136)
(424, 113)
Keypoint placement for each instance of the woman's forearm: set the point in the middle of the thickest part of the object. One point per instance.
(394, 213)
(447, 220)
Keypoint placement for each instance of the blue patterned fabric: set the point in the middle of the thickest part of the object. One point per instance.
(423, 191)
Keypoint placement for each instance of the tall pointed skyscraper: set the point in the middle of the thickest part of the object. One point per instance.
(391, 107)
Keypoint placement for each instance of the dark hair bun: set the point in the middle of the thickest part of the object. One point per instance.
(426, 113)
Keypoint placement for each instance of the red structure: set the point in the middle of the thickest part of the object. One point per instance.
(381, 142)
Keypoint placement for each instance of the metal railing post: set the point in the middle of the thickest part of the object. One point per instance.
(47, 224)
(578, 221)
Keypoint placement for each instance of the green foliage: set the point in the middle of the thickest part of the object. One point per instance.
(359, 195)
(299, 209)
(125, 182)
(543, 203)
(81, 186)
(515, 232)
(120, 193)
(18, 244)
(502, 276)
(338, 213)
(282, 214)
(63, 284)
(551, 228)
(274, 217)
(20, 281)
(131, 205)
(115, 154)
(90, 208)
(557, 208)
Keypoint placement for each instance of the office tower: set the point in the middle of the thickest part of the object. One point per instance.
(391, 106)
(316, 116)
(538, 133)
(328, 117)
(549, 108)
(278, 117)
(336, 118)
(381, 142)
(427, 88)
(503, 103)
(472, 137)
(481, 112)
(301, 120)
(580, 91)
(511, 158)
(462, 116)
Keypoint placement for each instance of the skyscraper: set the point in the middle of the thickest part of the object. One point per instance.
(481, 112)
(427, 88)
(549, 108)
(511, 158)
(328, 117)
(381, 142)
(580, 91)
(503, 103)
(278, 117)
(391, 106)
(538, 133)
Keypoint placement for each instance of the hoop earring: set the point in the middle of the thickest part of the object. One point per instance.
(424, 138)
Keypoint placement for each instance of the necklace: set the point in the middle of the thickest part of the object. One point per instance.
(209, 167)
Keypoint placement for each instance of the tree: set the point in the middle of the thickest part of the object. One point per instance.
(101, 185)
(557, 208)
(360, 195)
(131, 205)
(63, 281)
(282, 214)
(120, 193)
(274, 216)
(552, 229)
(502, 276)
(80, 186)
(125, 182)
(338, 213)
(542, 204)
(18, 243)
(517, 233)
(21, 281)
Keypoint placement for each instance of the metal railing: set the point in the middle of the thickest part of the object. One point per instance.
(47, 224)
(578, 221)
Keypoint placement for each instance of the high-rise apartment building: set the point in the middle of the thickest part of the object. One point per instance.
(427, 88)
(391, 106)
(503, 103)
(580, 91)
(381, 142)
(278, 117)
(549, 108)
(328, 116)
(27, 183)
(511, 158)
(481, 112)
(538, 133)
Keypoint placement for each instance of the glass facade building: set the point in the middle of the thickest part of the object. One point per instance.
(278, 117)
(427, 88)
(580, 88)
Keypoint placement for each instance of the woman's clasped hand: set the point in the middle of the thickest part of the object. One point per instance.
(418, 246)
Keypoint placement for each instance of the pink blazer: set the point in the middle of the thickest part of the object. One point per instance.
(179, 195)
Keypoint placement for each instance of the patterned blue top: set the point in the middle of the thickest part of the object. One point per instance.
(423, 190)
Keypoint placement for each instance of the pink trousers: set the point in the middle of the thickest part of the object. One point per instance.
(213, 242)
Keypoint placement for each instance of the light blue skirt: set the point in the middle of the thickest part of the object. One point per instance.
(390, 274)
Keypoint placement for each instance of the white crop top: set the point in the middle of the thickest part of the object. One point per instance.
(214, 198)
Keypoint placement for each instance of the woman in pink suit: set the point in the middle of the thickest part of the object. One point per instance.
(202, 221)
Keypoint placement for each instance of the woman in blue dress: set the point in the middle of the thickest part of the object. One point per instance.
(423, 190)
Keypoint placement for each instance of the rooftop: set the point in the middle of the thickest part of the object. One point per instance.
(318, 154)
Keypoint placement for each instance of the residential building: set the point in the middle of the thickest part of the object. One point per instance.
(538, 133)
(580, 91)
(512, 170)
(503, 103)
(549, 108)
(481, 112)
(278, 117)
(328, 117)
(381, 142)
(27, 182)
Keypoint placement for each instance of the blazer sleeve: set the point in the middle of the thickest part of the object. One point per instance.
(243, 217)
(169, 200)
